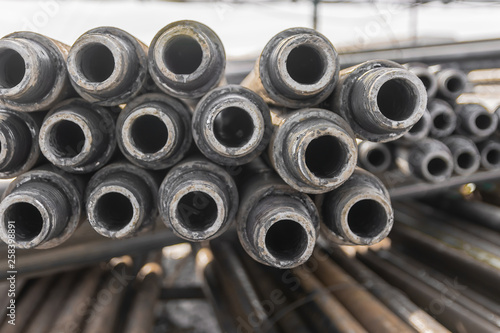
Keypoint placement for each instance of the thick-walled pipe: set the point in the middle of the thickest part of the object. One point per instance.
(418, 131)
(451, 82)
(33, 73)
(108, 66)
(19, 149)
(375, 157)
(298, 68)
(270, 209)
(427, 77)
(232, 125)
(313, 150)
(465, 154)
(380, 99)
(443, 118)
(475, 121)
(372, 314)
(77, 136)
(186, 59)
(154, 131)
(428, 159)
(121, 200)
(357, 213)
(392, 297)
(490, 154)
(198, 200)
(45, 205)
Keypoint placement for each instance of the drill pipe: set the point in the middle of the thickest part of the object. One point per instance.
(270, 209)
(418, 131)
(108, 66)
(374, 156)
(427, 77)
(451, 314)
(33, 73)
(451, 82)
(490, 154)
(392, 297)
(77, 136)
(154, 131)
(198, 200)
(231, 125)
(428, 159)
(103, 316)
(443, 118)
(313, 150)
(121, 200)
(379, 99)
(343, 320)
(475, 121)
(75, 308)
(19, 149)
(465, 154)
(186, 59)
(357, 213)
(372, 314)
(298, 68)
(45, 205)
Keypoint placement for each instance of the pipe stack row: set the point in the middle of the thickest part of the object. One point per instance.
(118, 133)
(456, 136)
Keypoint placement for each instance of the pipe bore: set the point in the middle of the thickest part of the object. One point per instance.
(287, 247)
(28, 220)
(68, 139)
(367, 218)
(396, 100)
(233, 127)
(113, 211)
(197, 211)
(305, 65)
(149, 134)
(97, 63)
(12, 68)
(183, 54)
(325, 156)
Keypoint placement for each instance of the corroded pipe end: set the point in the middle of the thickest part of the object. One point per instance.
(374, 157)
(418, 131)
(77, 136)
(231, 125)
(154, 131)
(313, 150)
(121, 200)
(475, 121)
(444, 119)
(451, 83)
(186, 59)
(465, 154)
(198, 200)
(32, 72)
(426, 76)
(107, 66)
(45, 208)
(19, 150)
(357, 213)
(490, 154)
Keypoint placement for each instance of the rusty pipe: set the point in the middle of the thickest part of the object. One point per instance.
(33, 74)
(380, 100)
(121, 200)
(231, 125)
(444, 118)
(107, 66)
(357, 213)
(187, 59)
(44, 205)
(77, 136)
(375, 157)
(298, 68)
(465, 154)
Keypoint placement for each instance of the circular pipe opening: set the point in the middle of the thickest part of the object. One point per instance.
(455, 84)
(183, 55)
(305, 65)
(396, 100)
(12, 68)
(493, 156)
(114, 211)
(442, 121)
(367, 218)
(465, 160)
(437, 166)
(197, 211)
(233, 127)
(325, 156)
(376, 157)
(483, 121)
(286, 240)
(28, 220)
(96, 62)
(67, 138)
(149, 134)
